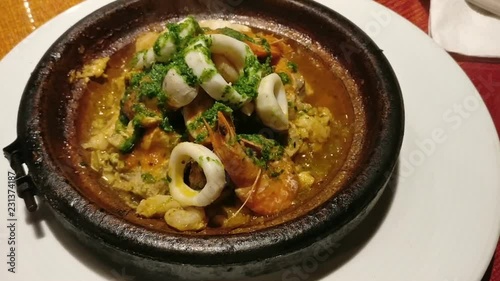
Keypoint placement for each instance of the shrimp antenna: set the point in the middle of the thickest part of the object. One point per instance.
(206, 124)
(209, 129)
(277, 41)
(249, 195)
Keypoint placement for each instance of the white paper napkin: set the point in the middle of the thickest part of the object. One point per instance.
(462, 28)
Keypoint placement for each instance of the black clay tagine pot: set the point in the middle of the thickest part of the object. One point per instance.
(47, 144)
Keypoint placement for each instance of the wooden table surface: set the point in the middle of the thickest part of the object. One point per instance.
(20, 17)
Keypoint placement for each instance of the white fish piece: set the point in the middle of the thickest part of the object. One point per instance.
(178, 91)
(185, 219)
(156, 206)
(216, 24)
(211, 166)
(271, 103)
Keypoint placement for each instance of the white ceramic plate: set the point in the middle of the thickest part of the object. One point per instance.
(438, 221)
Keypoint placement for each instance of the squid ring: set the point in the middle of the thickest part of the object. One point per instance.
(164, 47)
(167, 44)
(144, 59)
(178, 91)
(198, 59)
(271, 103)
(212, 168)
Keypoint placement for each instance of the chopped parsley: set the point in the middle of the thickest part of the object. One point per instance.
(207, 75)
(236, 34)
(267, 67)
(266, 46)
(128, 144)
(270, 150)
(276, 173)
(166, 126)
(174, 30)
(201, 137)
(183, 69)
(292, 66)
(284, 78)
(143, 115)
(160, 43)
(210, 116)
(249, 82)
(136, 78)
(148, 178)
(190, 28)
(148, 84)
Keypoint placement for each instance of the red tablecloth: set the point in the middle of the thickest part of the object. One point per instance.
(485, 74)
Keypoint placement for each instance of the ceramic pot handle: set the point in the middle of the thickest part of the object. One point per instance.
(25, 187)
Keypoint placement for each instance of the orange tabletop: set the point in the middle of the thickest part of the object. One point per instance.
(20, 17)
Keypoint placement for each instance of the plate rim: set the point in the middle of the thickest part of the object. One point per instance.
(80, 8)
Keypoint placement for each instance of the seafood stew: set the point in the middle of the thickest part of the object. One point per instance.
(211, 124)
(346, 71)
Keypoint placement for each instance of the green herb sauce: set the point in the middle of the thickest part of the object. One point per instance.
(284, 78)
(148, 178)
(210, 116)
(236, 34)
(270, 150)
(293, 66)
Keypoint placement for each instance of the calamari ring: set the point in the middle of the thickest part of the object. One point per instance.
(145, 59)
(198, 59)
(164, 47)
(168, 43)
(271, 104)
(178, 91)
(212, 168)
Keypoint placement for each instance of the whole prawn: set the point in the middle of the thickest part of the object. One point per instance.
(262, 193)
